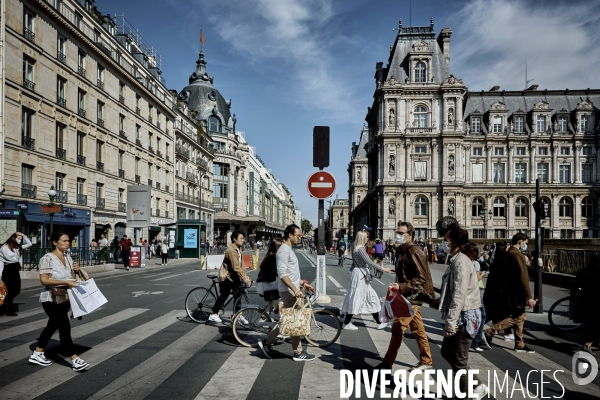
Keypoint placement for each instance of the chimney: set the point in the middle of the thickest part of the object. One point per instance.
(443, 40)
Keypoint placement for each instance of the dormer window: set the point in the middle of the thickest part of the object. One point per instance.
(420, 72)
(583, 123)
(214, 125)
(497, 124)
(420, 117)
(519, 124)
(562, 124)
(476, 125)
(541, 124)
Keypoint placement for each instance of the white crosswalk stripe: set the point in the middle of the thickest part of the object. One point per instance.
(23, 314)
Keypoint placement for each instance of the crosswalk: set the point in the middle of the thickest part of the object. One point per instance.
(139, 353)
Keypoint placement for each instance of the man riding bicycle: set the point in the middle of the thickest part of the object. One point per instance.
(341, 249)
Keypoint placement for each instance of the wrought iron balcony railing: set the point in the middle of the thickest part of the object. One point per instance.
(81, 160)
(122, 173)
(61, 57)
(123, 134)
(29, 191)
(122, 207)
(27, 142)
(61, 154)
(82, 199)
(81, 112)
(100, 202)
(137, 179)
(61, 102)
(27, 84)
(100, 84)
(100, 122)
(29, 35)
(100, 166)
(150, 182)
(121, 99)
(158, 185)
(81, 71)
(62, 196)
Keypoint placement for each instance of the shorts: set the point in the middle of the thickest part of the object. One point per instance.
(378, 256)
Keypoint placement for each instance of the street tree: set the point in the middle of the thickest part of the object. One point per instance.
(306, 226)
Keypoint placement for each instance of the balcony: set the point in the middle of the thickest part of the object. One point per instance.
(122, 173)
(158, 153)
(100, 202)
(81, 160)
(29, 35)
(81, 112)
(100, 84)
(139, 143)
(150, 149)
(29, 191)
(100, 166)
(61, 57)
(123, 134)
(62, 196)
(81, 71)
(150, 182)
(137, 110)
(61, 154)
(82, 199)
(101, 122)
(191, 178)
(201, 163)
(61, 102)
(27, 142)
(207, 204)
(27, 84)
(137, 179)
(121, 99)
(182, 151)
(158, 185)
(122, 207)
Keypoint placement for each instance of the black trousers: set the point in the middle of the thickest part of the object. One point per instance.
(58, 319)
(225, 288)
(125, 257)
(349, 318)
(165, 258)
(455, 350)
(12, 280)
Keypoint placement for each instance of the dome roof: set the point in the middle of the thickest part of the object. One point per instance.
(201, 96)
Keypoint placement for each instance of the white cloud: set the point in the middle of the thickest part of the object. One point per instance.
(493, 40)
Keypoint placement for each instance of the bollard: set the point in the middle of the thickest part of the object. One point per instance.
(254, 263)
(202, 258)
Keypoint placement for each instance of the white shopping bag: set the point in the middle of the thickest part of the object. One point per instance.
(85, 298)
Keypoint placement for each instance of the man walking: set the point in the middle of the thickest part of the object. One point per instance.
(103, 245)
(290, 289)
(412, 272)
(125, 248)
(514, 295)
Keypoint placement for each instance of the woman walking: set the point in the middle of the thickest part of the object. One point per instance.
(11, 258)
(56, 271)
(164, 251)
(361, 297)
(267, 277)
(460, 305)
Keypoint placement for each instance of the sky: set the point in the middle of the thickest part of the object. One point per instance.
(290, 65)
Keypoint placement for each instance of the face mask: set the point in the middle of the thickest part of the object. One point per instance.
(18, 241)
(445, 246)
(524, 248)
(400, 238)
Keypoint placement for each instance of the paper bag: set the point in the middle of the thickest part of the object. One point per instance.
(396, 305)
(85, 298)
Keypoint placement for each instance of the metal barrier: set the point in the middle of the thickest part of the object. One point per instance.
(84, 256)
(570, 261)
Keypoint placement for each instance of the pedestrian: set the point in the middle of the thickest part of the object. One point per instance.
(290, 290)
(361, 297)
(378, 251)
(236, 275)
(370, 249)
(103, 249)
(146, 247)
(412, 274)
(267, 276)
(152, 249)
(430, 250)
(479, 338)
(164, 252)
(586, 297)
(125, 244)
(115, 248)
(56, 270)
(511, 294)
(11, 262)
(460, 305)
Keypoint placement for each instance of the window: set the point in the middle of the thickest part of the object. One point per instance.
(100, 77)
(519, 124)
(583, 123)
(80, 187)
(137, 104)
(477, 173)
(149, 171)
(420, 117)
(28, 64)
(180, 213)
(60, 182)
(192, 214)
(219, 190)
(478, 234)
(60, 91)
(137, 166)
(420, 149)
(121, 159)
(543, 151)
(476, 125)
(27, 174)
(81, 62)
(477, 151)
(587, 208)
(28, 18)
(565, 151)
(214, 124)
(521, 207)
(121, 195)
(498, 151)
(421, 206)
(61, 49)
(157, 176)
(520, 173)
(137, 132)
(562, 124)
(421, 233)
(565, 207)
(60, 141)
(476, 207)
(587, 234)
(586, 150)
(566, 233)
(586, 173)
(100, 110)
(420, 72)
(499, 207)
(542, 172)
(81, 102)
(420, 171)
(99, 190)
(541, 123)
(121, 92)
(497, 124)
(80, 144)
(121, 124)
(27, 123)
(521, 151)
(498, 173)
(564, 173)
(499, 233)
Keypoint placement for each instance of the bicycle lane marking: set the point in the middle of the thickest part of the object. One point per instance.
(165, 277)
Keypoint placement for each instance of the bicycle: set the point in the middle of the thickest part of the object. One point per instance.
(252, 324)
(200, 301)
(560, 315)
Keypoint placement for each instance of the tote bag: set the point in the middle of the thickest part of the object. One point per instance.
(295, 321)
(85, 298)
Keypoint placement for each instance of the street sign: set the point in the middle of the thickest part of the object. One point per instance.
(321, 185)
(52, 208)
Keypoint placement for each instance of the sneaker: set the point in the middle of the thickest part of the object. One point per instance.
(304, 356)
(481, 391)
(525, 349)
(39, 359)
(350, 327)
(266, 348)
(79, 365)
(421, 366)
(509, 338)
(215, 318)
(382, 325)
(275, 317)
(127, 269)
(477, 349)
(243, 320)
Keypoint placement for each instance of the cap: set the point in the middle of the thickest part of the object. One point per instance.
(364, 228)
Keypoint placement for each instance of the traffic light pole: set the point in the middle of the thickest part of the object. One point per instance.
(539, 306)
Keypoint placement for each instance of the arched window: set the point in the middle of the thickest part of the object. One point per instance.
(587, 208)
(521, 207)
(565, 208)
(420, 72)
(420, 117)
(214, 124)
(499, 207)
(421, 206)
(476, 207)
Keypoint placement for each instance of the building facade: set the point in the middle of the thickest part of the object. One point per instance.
(432, 148)
(338, 220)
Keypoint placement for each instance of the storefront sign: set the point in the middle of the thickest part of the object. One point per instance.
(52, 208)
(68, 212)
(190, 238)
(22, 205)
(9, 213)
(157, 221)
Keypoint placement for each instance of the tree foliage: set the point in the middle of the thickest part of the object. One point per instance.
(306, 226)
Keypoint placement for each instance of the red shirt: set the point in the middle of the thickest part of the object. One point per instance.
(125, 244)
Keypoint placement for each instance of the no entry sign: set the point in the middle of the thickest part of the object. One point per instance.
(321, 185)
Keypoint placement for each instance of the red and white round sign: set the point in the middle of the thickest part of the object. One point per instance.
(321, 185)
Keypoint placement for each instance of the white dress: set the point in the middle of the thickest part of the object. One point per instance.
(361, 297)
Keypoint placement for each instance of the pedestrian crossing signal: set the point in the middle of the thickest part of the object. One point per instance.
(539, 208)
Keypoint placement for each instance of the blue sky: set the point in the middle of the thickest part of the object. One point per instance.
(289, 65)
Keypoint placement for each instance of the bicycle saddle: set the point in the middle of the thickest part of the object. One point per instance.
(212, 276)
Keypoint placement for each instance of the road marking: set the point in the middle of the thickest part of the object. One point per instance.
(24, 314)
(152, 276)
(379, 281)
(336, 283)
(343, 291)
(165, 277)
(20, 329)
(328, 361)
(162, 284)
(312, 263)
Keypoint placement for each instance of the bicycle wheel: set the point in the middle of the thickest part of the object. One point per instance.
(199, 303)
(325, 328)
(559, 315)
(249, 299)
(250, 326)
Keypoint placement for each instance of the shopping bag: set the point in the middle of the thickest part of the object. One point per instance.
(396, 305)
(85, 298)
(295, 321)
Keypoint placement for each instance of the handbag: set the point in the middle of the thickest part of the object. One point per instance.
(223, 273)
(59, 295)
(295, 321)
(368, 277)
(264, 287)
(3, 292)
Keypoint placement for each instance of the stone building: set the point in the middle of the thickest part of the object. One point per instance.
(432, 148)
(338, 220)
(86, 111)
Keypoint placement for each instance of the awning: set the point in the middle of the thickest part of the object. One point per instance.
(154, 228)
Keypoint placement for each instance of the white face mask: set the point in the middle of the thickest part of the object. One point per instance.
(400, 239)
(445, 247)
(18, 241)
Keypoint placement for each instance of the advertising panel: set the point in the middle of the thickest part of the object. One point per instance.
(190, 238)
(138, 206)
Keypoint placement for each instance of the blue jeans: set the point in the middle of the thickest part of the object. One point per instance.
(477, 339)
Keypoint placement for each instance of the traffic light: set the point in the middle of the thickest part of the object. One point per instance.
(321, 146)
(540, 211)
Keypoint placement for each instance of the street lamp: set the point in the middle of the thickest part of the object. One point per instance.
(201, 256)
(483, 215)
(51, 196)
